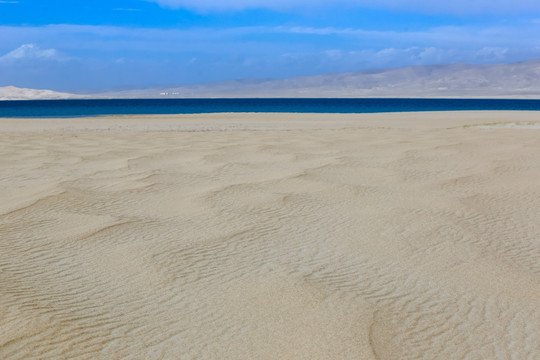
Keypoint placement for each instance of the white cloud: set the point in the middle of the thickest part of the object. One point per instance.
(108, 56)
(423, 6)
(104, 56)
(29, 51)
(398, 57)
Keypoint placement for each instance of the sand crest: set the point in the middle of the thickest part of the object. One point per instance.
(271, 236)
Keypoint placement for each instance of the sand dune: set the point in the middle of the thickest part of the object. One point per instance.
(15, 93)
(271, 236)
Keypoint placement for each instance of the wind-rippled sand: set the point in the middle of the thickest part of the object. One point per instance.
(393, 236)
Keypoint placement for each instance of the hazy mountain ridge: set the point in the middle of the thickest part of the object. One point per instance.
(517, 80)
(456, 80)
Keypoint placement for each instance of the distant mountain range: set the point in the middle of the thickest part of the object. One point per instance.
(515, 80)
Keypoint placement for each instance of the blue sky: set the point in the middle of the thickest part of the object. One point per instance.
(81, 44)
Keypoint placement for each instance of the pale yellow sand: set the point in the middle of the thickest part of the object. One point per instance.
(390, 236)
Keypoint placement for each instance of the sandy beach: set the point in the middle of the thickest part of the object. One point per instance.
(271, 236)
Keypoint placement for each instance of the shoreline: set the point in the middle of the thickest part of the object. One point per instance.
(271, 121)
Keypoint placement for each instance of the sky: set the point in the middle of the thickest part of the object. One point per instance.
(77, 45)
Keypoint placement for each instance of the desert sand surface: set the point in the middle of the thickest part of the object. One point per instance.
(271, 236)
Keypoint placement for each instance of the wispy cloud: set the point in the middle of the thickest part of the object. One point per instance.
(423, 6)
(29, 51)
(166, 41)
(442, 36)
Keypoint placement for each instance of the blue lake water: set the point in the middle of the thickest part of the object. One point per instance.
(78, 108)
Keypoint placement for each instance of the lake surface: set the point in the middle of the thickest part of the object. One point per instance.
(80, 108)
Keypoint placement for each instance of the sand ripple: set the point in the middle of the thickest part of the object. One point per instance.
(321, 244)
